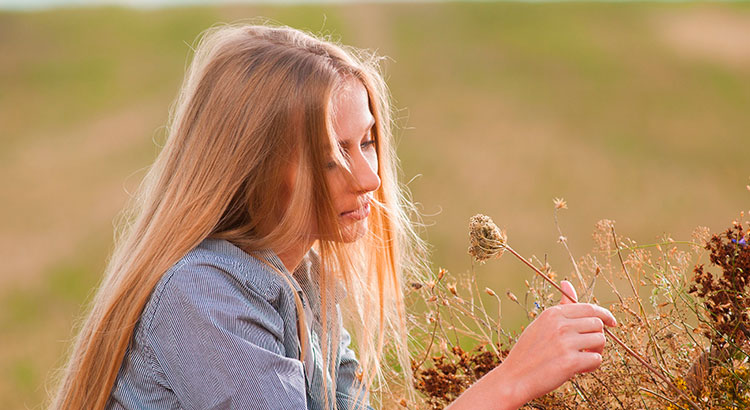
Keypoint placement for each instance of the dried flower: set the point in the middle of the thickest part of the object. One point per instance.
(560, 203)
(708, 363)
(486, 239)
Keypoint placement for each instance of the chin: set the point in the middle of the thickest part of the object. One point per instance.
(354, 232)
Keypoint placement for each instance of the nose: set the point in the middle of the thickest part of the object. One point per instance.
(365, 173)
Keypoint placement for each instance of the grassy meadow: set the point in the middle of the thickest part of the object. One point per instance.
(635, 112)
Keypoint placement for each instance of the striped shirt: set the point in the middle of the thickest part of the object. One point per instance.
(220, 332)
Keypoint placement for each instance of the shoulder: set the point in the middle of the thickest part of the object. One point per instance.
(222, 263)
(217, 313)
(219, 285)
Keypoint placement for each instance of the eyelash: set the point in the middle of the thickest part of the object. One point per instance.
(364, 145)
(367, 144)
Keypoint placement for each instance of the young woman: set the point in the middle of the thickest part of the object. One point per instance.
(274, 199)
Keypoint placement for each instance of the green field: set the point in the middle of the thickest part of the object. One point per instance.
(634, 112)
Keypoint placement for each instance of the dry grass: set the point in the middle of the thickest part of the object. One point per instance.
(683, 339)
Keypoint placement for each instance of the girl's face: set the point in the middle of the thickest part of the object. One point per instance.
(353, 125)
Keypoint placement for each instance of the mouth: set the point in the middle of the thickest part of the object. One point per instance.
(358, 214)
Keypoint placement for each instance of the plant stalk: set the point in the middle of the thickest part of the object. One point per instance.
(630, 351)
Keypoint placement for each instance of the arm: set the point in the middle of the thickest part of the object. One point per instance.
(219, 345)
(564, 340)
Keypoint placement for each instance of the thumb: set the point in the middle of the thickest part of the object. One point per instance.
(568, 288)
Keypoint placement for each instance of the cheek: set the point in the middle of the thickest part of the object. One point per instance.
(336, 184)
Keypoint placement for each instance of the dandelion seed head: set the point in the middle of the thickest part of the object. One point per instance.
(485, 238)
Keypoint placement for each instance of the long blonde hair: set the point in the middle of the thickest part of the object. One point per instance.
(255, 100)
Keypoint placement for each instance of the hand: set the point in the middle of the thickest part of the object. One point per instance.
(563, 340)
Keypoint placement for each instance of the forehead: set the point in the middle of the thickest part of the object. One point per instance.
(350, 108)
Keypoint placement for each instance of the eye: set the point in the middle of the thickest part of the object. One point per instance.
(367, 144)
(331, 165)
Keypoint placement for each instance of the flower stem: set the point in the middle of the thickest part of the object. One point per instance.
(606, 331)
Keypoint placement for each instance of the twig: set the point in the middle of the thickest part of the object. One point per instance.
(570, 254)
(609, 390)
(655, 394)
(649, 331)
(606, 331)
(582, 392)
(432, 340)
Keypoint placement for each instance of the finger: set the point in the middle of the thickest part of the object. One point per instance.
(568, 288)
(597, 350)
(590, 324)
(591, 342)
(588, 361)
(579, 310)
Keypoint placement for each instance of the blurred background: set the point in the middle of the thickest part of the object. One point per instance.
(637, 112)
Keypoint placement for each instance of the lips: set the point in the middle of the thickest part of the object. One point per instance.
(358, 214)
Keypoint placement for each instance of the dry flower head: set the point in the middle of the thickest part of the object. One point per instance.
(560, 203)
(486, 239)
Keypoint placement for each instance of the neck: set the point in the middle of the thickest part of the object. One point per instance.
(292, 256)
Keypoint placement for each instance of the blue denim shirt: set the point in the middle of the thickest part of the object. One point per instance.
(220, 332)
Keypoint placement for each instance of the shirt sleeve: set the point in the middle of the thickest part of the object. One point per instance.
(218, 345)
(347, 383)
